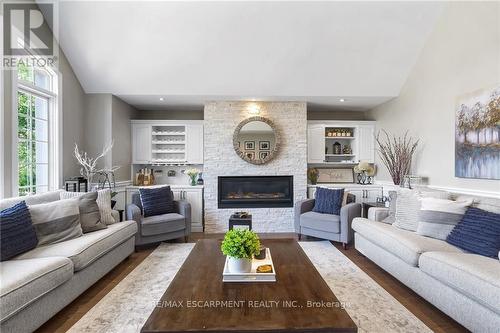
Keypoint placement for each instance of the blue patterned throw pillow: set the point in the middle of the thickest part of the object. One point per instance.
(157, 201)
(17, 234)
(478, 232)
(328, 201)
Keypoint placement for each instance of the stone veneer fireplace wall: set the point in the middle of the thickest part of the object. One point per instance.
(220, 159)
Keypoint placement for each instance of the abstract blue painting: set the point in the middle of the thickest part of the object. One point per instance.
(477, 135)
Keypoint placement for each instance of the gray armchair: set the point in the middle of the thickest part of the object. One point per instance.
(332, 227)
(159, 228)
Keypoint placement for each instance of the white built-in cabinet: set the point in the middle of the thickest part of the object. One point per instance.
(360, 137)
(363, 193)
(141, 143)
(191, 194)
(167, 142)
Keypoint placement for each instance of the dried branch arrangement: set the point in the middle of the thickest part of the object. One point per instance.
(396, 153)
(89, 165)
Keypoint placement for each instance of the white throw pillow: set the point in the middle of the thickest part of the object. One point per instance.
(408, 206)
(438, 217)
(103, 201)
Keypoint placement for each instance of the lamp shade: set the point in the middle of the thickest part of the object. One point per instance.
(363, 166)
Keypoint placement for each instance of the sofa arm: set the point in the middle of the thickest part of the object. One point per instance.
(134, 213)
(300, 208)
(116, 215)
(347, 214)
(378, 213)
(184, 208)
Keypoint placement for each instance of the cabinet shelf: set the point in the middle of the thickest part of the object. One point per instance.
(340, 155)
(168, 133)
(159, 151)
(340, 137)
(156, 142)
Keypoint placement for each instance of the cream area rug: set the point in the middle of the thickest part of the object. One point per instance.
(127, 307)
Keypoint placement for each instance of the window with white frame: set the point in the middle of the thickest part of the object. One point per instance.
(36, 156)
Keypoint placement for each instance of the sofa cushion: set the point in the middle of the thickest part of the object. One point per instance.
(157, 200)
(17, 234)
(24, 281)
(56, 221)
(478, 232)
(318, 221)
(408, 206)
(471, 274)
(86, 249)
(90, 215)
(438, 217)
(31, 199)
(328, 200)
(404, 244)
(103, 201)
(391, 217)
(160, 224)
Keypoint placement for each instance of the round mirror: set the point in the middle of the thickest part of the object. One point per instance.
(256, 140)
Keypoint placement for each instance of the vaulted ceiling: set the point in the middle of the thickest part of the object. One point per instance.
(189, 52)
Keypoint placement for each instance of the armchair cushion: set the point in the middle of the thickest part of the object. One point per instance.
(319, 221)
(160, 224)
(328, 201)
(157, 201)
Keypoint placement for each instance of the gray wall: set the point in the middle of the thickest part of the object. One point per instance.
(121, 132)
(461, 55)
(98, 126)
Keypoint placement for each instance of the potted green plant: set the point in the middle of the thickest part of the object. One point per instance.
(192, 174)
(240, 245)
(312, 175)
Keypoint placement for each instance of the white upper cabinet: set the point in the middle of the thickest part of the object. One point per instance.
(194, 143)
(366, 143)
(141, 143)
(340, 142)
(167, 142)
(315, 143)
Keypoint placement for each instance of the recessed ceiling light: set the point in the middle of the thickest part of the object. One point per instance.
(162, 99)
(342, 100)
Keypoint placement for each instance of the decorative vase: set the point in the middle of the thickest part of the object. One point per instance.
(193, 180)
(239, 265)
(200, 179)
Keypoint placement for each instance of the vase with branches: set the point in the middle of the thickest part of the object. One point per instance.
(396, 152)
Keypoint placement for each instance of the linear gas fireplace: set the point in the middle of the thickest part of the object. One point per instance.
(255, 191)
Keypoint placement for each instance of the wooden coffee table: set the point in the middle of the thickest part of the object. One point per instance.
(198, 301)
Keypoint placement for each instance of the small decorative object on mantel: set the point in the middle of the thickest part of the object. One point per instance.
(312, 175)
(396, 153)
(346, 150)
(337, 148)
(240, 246)
(193, 175)
(200, 179)
(365, 173)
(411, 181)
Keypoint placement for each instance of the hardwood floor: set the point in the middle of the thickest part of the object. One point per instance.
(426, 312)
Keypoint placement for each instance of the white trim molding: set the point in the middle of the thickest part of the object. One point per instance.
(480, 193)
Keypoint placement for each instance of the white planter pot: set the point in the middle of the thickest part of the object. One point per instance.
(237, 265)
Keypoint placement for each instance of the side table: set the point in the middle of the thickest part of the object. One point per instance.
(368, 205)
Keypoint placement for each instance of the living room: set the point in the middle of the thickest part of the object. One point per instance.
(250, 166)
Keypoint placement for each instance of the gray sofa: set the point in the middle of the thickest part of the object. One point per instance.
(465, 286)
(39, 283)
(327, 226)
(163, 227)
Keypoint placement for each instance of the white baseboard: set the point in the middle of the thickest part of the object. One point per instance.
(491, 194)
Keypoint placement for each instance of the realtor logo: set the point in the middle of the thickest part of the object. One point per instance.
(26, 31)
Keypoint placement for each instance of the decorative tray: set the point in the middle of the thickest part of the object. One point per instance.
(253, 276)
